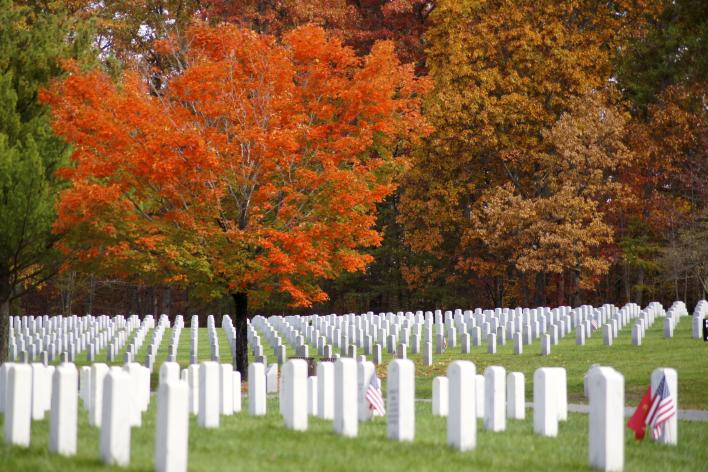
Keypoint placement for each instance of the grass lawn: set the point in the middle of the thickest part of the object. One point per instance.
(255, 444)
(245, 443)
(683, 353)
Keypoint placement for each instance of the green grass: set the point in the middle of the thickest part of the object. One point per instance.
(683, 353)
(247, 443)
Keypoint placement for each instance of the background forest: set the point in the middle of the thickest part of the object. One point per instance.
(506, 153)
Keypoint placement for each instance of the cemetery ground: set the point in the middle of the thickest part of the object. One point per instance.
(683, 353)
(243, 442)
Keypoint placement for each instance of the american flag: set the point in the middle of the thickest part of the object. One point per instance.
(594, 323)
(662, 408)
(373, 396)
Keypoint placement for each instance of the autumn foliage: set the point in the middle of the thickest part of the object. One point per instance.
(279, 152)
(257, 169)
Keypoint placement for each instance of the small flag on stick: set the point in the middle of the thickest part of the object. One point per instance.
(374, 397)
(662, 409)
(637, 422)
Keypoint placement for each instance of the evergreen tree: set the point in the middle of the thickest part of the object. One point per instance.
(32, 45)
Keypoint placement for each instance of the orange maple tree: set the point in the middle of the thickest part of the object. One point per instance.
(254, 171)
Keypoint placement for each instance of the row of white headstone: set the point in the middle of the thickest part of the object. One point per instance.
(112, 408)
(117, 397)
(463, 397)
(44, 339)
(399, 332)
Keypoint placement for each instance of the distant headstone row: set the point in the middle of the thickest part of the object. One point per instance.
(437, 332)
(45, 339)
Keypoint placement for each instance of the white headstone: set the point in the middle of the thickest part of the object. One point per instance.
(115, 418)
(586, 380)
(364, 373)
(271, 374)
(401, 400)
(47, 394)
(144, 387)
(515, 396)
(169, 371)
(18, 404)
(325, 390)
(491, 343)
(545, 345)
(295, 394)
(697, 326)
(636, 335)
(668, 327)
(669, 433)
(226, 389)
(312, 397)
(172, 432)
(428, 353)
(440, 396)
(136, 394)
(518, 343)
(64, 416)
(3, 383)
(209, 395)
(345, 397)
(85, 385)
(39, 387)
(561, 384)
(479, 395)
(256, 389)
(461, 418)
(545, 396)
(193, 382)
(236, 380)
(495, 398)
(606, 421)
(580, 335)
(98, 373)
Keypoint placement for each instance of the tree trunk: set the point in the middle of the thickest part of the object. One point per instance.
(241, 326)
(560, 290)
(640, 286)
(524, 289)
(577, 298)
(627, 284)
(540, 289)
(155, 305)
(4, 329)
(167, 300)
(91, 294)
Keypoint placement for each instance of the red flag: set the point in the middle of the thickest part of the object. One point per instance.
(637, 422)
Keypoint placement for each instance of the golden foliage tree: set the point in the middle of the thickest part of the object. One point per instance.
(498, 190)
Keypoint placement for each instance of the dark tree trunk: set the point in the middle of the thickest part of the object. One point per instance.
(640, 286)
(626, 283)
(241, 326)
(524, 289)
(560, 289)
(155, 305)
(4, 328)
(91, 294)
(167, 300)
(540, 289)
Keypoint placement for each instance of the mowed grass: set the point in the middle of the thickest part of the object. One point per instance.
(683, 353)
(263, 443)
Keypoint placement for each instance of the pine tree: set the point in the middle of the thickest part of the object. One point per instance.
(32, 45)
